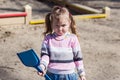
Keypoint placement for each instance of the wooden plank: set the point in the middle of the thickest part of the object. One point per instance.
(13, 20)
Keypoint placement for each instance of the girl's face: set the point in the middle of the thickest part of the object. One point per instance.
(61, 26)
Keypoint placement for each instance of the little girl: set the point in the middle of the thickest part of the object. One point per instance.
(61, 53)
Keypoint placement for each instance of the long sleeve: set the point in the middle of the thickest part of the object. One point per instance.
(78, 58)
(45, 54)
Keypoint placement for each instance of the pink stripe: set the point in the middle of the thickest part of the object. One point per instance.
(65, 43)
(62, 66)
(79, 63)
(45, 58)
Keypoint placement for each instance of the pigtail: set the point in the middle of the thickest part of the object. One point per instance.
(73, 25)
(48, 24)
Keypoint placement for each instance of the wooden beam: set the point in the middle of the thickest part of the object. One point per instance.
(82, 8)
(90, 16)
(12, 20)
(15, 14)
(37, 21)
(77, 7)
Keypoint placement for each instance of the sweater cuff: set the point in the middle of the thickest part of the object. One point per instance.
(81, 73)
(43, 64)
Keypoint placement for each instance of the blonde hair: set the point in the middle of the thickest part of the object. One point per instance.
(58, 11)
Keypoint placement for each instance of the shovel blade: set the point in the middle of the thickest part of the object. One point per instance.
(29, 58)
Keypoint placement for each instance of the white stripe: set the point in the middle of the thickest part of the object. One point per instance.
(58, 53)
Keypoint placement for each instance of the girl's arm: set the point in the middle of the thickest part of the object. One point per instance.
(44, 55)
(78, 58)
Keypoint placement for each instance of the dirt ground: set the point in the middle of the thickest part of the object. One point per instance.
(99, 39)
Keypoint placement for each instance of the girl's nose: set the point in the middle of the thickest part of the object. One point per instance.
(60, 28)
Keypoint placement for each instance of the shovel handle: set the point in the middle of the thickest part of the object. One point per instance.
(40, 70)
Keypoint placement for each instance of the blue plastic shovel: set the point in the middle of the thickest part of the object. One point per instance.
(30, 59)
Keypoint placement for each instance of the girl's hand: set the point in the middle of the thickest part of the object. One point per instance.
(82, 77)
(43, 69)
(41, 73)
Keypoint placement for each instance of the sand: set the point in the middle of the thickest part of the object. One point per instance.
(99, 39)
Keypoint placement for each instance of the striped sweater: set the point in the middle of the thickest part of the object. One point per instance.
(62, 54)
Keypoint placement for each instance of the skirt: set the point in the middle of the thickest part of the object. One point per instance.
(72, 76)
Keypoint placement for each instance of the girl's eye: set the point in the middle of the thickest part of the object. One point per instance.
(63, 25)
(57, 25)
